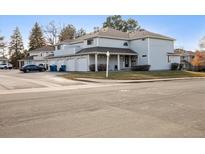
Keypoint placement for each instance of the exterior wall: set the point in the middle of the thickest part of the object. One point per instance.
(105, 42)
(102, 59)
(141, 47)
(95, 43)
(68, 49)
(72, 63)
(39, 55)
(150, 51)
(157, 53)
(3, 61)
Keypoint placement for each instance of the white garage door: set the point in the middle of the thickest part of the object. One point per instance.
(81, 64)
(70, 65)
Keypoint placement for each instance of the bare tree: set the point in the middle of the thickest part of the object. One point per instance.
(2, 46)
(52, 32)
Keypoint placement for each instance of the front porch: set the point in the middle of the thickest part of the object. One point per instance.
(117, 62)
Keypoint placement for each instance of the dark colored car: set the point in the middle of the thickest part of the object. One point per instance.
(32, 68)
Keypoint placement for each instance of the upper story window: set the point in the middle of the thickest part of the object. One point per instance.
(144, 55)
(125, 44)
(90, 42)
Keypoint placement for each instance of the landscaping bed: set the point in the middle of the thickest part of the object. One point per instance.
(134, 75)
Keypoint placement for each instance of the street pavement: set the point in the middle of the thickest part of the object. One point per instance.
(45, 105)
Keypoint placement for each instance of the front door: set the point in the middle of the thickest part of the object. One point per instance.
(126, 61)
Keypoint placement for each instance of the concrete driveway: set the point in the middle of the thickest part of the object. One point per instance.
(14, 79)
(75, 109)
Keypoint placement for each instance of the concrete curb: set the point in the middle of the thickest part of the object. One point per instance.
(134, 81)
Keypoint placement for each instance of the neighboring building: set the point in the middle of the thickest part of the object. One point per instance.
(202, 44)
(185, 56)
(4, 60)
(126, 50)
(181, 56)
(38, 56)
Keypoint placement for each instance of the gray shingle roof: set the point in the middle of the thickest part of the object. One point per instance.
(116, 34)
(45, 48)
(147, 34)
(105, 49)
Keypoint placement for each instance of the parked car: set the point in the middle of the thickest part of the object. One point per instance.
(32, 68)
(6, 66)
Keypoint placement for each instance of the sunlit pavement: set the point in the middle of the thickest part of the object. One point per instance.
(44, 105)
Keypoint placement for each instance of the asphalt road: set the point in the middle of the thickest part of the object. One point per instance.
(49, 106)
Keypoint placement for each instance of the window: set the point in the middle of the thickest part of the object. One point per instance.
(90, 42)
(125, 44)
(58, 47)
(143, 39)
(144, 55)
(169, 60)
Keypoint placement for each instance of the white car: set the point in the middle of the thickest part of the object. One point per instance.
(6, 66)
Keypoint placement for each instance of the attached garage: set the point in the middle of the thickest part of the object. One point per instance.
(73, 63)
(70, 64)
(81, 63)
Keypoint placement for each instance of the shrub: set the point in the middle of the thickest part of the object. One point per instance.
(180, 66)
(198, 68)
(102, 67)
(140, 68)
(92, 67)
(174, 66)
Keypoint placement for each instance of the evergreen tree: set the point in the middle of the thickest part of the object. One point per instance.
(16, 48)
(36, 39)
(67, 32)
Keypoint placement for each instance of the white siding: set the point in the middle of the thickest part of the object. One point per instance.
(74, 63)
(174, 59)
(68, 49)
(105, 42)
(141, 47)
(39, 55)
(158, 50)
(102, 59)
(81, 64)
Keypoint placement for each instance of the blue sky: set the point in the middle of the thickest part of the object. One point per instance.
(187, 30)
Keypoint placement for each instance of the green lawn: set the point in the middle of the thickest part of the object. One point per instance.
(132, 75)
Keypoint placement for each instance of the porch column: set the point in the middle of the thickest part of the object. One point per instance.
(130, 61)
(88, 67)
(118, 62)
(96, 62)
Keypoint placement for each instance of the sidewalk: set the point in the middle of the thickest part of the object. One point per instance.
(134, 81)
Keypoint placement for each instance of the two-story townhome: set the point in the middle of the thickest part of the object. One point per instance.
(38, 56)
(126, 50)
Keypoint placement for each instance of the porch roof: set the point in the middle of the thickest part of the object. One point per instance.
(103, 50)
